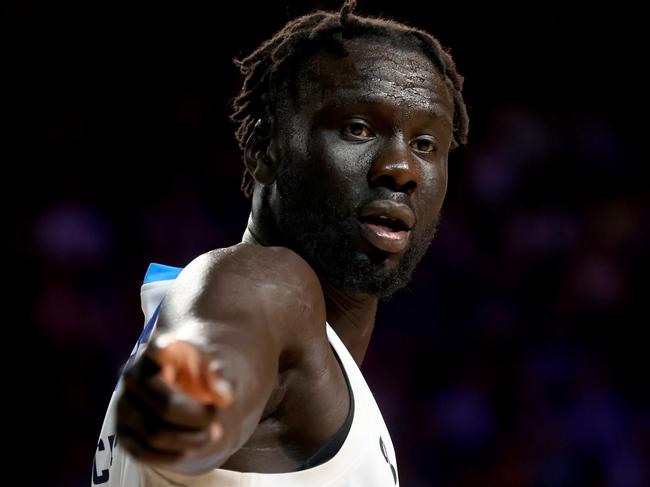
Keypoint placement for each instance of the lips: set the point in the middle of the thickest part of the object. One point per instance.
(387, 225)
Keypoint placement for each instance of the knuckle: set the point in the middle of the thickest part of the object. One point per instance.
(157, 439)
(167, 441)
(167, 405)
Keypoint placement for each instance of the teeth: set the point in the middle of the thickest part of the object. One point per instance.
(388, 222)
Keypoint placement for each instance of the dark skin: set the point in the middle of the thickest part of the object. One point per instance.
(363, 123)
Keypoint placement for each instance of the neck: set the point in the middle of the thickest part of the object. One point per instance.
(262, 228)
(351, 315)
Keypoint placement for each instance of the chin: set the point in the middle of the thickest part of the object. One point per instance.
(376, 274)
(385, 262)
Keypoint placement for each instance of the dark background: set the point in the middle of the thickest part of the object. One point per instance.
(518, 354)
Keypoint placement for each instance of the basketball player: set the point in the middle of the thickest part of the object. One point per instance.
(247, 373)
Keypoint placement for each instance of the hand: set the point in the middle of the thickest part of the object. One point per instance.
(168, 410)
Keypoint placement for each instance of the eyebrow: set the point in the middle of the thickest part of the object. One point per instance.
(434, 107)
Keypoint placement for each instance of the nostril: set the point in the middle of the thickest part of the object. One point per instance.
(386, 181)
(409, 187)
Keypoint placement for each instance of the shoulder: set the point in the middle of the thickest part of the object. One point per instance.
(273, 282)
(261, 263)
(273, 269)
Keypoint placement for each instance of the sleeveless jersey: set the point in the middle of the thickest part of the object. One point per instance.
(366, 457)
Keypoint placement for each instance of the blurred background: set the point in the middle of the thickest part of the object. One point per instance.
(518, 354)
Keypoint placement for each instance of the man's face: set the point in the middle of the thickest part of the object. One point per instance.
(363, 164)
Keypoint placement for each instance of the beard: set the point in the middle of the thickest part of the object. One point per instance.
(321, 231)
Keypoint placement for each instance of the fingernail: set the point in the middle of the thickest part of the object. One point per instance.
(215, 431)
(162, 341)
(224, 389)
(215, 365)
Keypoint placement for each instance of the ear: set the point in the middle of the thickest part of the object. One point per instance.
(257, 154)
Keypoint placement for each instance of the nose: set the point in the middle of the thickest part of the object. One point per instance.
(395, 169)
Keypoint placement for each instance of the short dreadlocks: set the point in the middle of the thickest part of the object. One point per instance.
(268, 67)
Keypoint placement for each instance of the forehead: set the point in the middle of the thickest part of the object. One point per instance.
(375, 71)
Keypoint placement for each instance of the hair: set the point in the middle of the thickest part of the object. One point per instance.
(270, 66)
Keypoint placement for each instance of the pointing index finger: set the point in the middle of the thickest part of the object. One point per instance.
(185, 367)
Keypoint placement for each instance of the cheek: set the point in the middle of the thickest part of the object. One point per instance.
(340, 166)
(433, 189)
(435, 176)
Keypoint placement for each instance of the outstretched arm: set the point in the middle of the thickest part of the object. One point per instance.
(198, 392)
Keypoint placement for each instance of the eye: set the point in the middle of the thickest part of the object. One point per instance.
(424, 144)
(358, 130)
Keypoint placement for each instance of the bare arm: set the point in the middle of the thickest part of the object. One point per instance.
(245, 308)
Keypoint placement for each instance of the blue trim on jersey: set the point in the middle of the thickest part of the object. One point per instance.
(161, 272)
(155, 272)
(144, 336)
(146, 333)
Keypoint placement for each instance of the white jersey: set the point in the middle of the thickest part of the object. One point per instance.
(366, 457)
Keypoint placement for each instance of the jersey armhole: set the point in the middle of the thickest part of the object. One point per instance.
(334, 444)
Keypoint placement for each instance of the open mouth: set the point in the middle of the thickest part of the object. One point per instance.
(390, 224)
(387, 225)
(385, 233)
